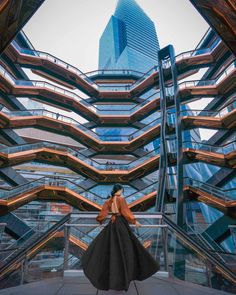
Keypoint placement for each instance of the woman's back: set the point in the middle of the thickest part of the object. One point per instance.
(116, 205)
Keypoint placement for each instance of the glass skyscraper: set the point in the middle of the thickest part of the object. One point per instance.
(129, 40)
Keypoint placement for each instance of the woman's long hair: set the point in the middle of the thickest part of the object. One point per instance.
(115, 189)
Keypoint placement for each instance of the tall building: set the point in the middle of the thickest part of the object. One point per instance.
(136, 130)
(129, 40)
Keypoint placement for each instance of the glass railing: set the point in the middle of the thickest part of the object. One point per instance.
(51, 181)
(80, 74)
(80, 100)
(178, 254)
(40, 84)
(25, 251)
(114, 88)
(171, 117)
(142, 193)
(75, 187)
(199, 231)
(193, 53)
(153, 123)
(21, 189)
(144, 77)
(48, 264)
(169, 90)
(226, 195)
(23, 240)
(5, 74)
(114, 72)
(149, 234)
(55, 60)
(51, 88)
(52, 115)
(94, 134)
(226, 72)
(205, 37)
(87, 238)
(213, 82)
(223, 149)
(86, 77)
(113, 110)
(196, 83)
(206, 241)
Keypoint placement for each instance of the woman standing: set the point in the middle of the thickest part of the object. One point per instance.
(116, 257)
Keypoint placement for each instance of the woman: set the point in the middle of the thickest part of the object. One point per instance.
(116, 257)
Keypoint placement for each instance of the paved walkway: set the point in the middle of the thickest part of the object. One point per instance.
(81, 286)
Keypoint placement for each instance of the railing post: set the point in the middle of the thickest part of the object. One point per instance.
(66, 250)
(208, 272)
(165, 247)
(24, 270)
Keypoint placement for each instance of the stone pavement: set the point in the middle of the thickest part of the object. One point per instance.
(81, 286)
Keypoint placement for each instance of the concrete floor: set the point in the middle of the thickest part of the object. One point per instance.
(81, 286)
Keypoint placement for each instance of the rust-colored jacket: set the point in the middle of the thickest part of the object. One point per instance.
(122, 207)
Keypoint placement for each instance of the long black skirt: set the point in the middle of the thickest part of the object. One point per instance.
(116, 257)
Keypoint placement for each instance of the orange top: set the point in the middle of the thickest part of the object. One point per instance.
(116, 205)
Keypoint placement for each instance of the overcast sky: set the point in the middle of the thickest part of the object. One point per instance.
(70, 29)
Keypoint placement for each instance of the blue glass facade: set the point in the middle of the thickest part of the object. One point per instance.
(129, 40)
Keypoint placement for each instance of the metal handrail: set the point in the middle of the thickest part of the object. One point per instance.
(21, 255)
(202, 251)
(68, 66)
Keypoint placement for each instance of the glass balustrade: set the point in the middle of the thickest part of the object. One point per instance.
(55, 60)
(171, 117)
(51, 181)
(114, 72)
(213, 82)
(172, 249)
(75, 187)
(52, 115)
(192, 53)
(61, 91)
(94, 134)
(142, 193)
(224, 194)
(223, 149)
(144, 77)
(87, 76)
(117, 110)
(20, 243)
(179, 254)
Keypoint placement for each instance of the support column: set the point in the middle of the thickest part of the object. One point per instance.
(169, 89)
